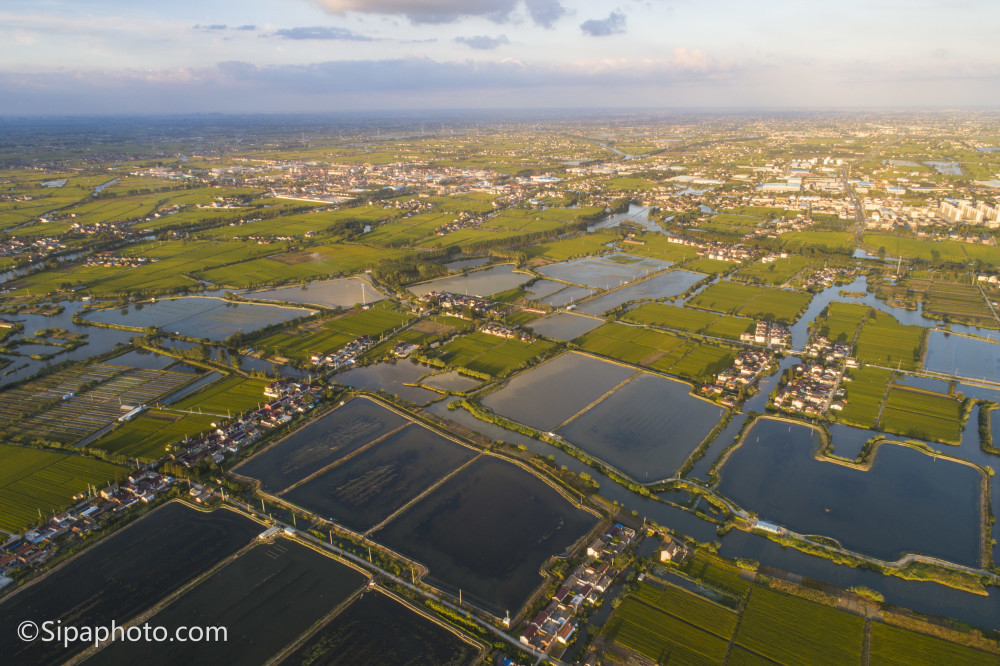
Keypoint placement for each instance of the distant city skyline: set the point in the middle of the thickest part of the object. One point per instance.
(108, 56)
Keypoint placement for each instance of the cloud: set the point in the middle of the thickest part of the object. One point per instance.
(613, 25)
(545, 12)
(223, 26)
(483, 42)
(320, 32)
(425, 11)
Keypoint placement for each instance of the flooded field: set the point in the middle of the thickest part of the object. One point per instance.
(366, 489)
(265, 598)
(198, 316)
(486, 532)
(543, 289)
(885, 512)
(594, 272)
(647, 428)
(482, 283)
(564, 325)
(391, 377)
(140, 358)
(321, 443)
(452, 381)
(377, 629)
(959, 355)
(342, 293)
(123, 575)
(667, 285)
(546, 396)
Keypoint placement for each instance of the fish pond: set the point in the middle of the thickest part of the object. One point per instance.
(667, 285)
(122, 576)
(369, 486)
(485, 282)
(647, 428)
(962, 356)
(320, 444)
(487, 531)
(564, 325)
(341, 293)
(550, 394)
(392, 377)
(266, 598)
(198, 316)
(908, 502)
(595, 272)
(453, 381)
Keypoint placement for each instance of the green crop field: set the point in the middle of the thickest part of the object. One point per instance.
(728, 326)
(301, 342)
(672, 316)
(780, 305)
(658, 350)
(658, 246)
(778, 271)
(571, 248)
(147, 436)
(923, 415)
(663, 637)
(231, 395)
(843, 320)
(716, 573)
(886, 342)
(893, 646)
(791, 630)
(929, 250)
(689, 607)
(33, 480)
(827, 241)
(865, 392)
(708, 266)
(492, 354)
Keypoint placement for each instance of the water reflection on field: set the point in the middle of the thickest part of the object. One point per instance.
(482, 283)
(342, 293)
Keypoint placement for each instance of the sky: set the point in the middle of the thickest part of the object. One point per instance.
(62, 57)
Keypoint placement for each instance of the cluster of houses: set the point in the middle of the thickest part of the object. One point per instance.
(463, 221)
(821, 348)
(287, 398)
(110, 259)
(346, 355)
(747, 369)
(768, 334)
(813, 389)
(457, 303)
(38, 245)
(723, 252)
(556, 625)
(501, 331)
(92, 511)
(827, 277)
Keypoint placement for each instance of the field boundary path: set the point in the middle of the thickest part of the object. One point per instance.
(866, 643)
(989, 303)
(315, 627)
(739, 620)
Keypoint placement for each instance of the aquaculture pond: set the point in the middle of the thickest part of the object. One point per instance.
(199, 316)
(667, 285)
(908, 502)
(368, 487)
(549, 394)
(567, 295)
(594, 272)
(266, 598)
(463, 264)
(391, 377)
(564, 325)
(485, 282)
(122, 576)
(959, 355)
(543, 289)
(341, 293)
(378, 629)
(647, 428)
(487, 531)
(320, 444)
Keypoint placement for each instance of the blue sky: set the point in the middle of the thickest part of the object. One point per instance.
(109, 56)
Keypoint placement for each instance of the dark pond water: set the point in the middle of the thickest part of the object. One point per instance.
(322, 442)
(647, 428)
(391, 377)
(548, 395)
(122, 576)
(365, 490)
(482, 283)
(462, 264)
(198, 316)
(342, 293)
(265, 598)
(662, 286)
(908, 502)
(486, 532)
(564, 325)
(377, 629)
